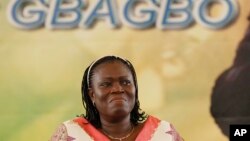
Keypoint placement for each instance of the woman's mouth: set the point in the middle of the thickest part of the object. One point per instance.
(117, 99)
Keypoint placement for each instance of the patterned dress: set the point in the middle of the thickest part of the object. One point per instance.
(79, 129)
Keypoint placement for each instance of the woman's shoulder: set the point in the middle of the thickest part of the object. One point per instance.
(155, 120)
(76, 120)
(75, 124)
(60, 133)
(64, 131)
(163, 129)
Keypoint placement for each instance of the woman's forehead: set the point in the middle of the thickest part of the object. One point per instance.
(111, 64)
(112, 67)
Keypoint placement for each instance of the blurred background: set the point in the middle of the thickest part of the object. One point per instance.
(41, 72)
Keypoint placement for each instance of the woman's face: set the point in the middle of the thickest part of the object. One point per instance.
(113, 90)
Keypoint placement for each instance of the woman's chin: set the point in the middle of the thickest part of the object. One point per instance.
(119, 112)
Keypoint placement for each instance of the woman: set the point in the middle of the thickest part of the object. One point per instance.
(110, 98)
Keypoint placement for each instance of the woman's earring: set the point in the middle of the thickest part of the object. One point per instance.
(94, 103)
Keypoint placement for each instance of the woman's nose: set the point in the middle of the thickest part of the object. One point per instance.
(117, 88)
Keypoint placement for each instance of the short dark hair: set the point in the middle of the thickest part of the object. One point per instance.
(91, 113)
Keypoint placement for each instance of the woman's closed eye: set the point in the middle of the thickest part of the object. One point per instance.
(125, 82)
(105, 84)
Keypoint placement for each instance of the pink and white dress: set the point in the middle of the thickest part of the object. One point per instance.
(79, 129)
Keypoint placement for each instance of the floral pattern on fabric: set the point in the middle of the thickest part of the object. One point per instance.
(61, 134)
(174, 134)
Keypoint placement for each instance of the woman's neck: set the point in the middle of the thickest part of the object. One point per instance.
(117, 128)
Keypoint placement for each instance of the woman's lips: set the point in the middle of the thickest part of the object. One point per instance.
(118, 99)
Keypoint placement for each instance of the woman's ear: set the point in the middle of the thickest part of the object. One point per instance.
(91, 94)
